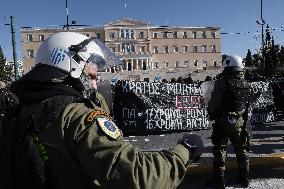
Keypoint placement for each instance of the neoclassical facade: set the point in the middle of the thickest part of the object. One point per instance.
(141, 46)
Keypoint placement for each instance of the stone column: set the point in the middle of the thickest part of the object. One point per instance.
(126, 64)
(147, 64)
(132, 65)
(137, 66)
(140, 64)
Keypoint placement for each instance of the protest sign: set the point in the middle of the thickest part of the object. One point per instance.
(156, 107)
(261, 103)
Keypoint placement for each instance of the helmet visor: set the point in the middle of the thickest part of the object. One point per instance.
(103, 57)
(95, 52)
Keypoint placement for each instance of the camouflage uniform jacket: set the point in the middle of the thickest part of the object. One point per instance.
(86, 149)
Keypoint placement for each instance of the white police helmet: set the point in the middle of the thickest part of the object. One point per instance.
(233, 63)
(70, 52)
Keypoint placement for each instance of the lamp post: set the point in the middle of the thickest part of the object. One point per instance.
(14, 47)
(262, 23)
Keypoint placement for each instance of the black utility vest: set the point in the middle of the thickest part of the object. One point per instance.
(235, 96)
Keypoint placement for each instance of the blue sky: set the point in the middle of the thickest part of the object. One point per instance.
(232, 16)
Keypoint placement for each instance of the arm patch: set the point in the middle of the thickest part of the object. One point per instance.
(108, 127)
(104, 122)
(92, 116)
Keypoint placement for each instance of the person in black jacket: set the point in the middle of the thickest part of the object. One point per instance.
(7, 100)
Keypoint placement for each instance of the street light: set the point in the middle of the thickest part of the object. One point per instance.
(14, 47)
(262, 22)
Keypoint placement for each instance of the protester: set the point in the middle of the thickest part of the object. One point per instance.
(228, 107)
(7, 100)
(179, 80)
(173, 80)
(164, 80)
(208, 78)
(85, 148)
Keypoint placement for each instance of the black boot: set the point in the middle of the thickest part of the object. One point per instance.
(243, 165)
(244, 181)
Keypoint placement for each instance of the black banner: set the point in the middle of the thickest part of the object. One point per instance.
(146, 107)
(261, 103)
(157, 107)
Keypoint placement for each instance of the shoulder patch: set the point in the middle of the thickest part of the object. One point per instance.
(92, 116)
(108, 127)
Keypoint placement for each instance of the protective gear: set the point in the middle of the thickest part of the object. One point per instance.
(235, 97)
(228, 106)
(233, 63)
(70, 52)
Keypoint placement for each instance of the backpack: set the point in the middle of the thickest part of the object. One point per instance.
(21, 160)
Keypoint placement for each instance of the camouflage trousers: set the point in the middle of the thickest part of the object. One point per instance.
(225, 128)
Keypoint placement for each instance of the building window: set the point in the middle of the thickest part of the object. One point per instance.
(195, 62)
(111, 35)
(213, 48)
(98, 35)
(127, 34)
(205, 63)
(41, 37)
(175, 49)
(166, 49)
(185, 49)
(213, 34)
(186, 63)
(128, 47)
(194, 49)
(204, 35)
(156, 65)
(31, 53)
(122, 34)
(204, 48)
(175, 34)
(142, 49)
(177, 64)
(194, 34)
(214, 62)
(184, 34)
(29, 37)
(155, 49)
(132, 34)
(132, 47)
(155, 35)
(141, 35)
(165, 35)
(166, 64)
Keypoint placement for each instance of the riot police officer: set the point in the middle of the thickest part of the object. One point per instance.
(228, 105)
(84, 147)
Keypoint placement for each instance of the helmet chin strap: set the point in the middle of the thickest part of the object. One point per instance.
(88, 88)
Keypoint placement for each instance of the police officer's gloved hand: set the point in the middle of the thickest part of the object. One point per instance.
(194, 144)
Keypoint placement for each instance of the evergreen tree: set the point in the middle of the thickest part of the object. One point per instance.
(6, 71)
(248, 59)
(281, 56)
(271, 55)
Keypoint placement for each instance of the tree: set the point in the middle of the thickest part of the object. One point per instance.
(6, 71)
(248, 59)
(281, 56)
